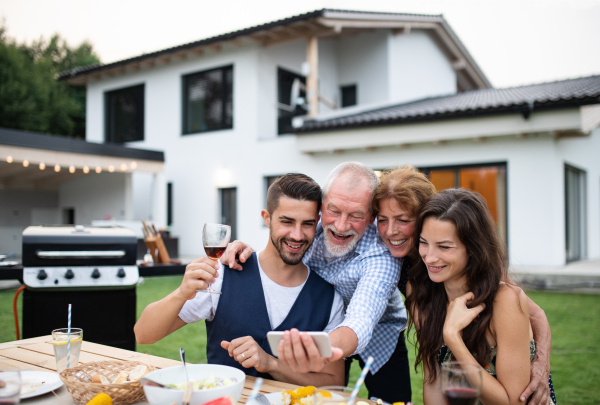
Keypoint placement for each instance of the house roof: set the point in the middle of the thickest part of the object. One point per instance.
(35, 140)
(522, 99)
(321, 23)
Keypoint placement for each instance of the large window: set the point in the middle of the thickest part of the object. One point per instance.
(290, 99)
(208, 100)
(488, 180)
(575, 213)
(124, 115)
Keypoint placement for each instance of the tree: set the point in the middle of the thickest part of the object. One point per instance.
(30, 96)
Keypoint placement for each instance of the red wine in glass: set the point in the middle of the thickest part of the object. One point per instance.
(461, 396)
(214, 252)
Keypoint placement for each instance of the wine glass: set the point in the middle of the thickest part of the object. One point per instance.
(461, 382)
(215, 238)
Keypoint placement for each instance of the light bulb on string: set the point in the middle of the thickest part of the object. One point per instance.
(123, 167)
(98, 169)
(42, 166)
(25, 163)
(86, 169)
(56, 168)
(111, 168)
(71, 169)
(133, 165)
(9, 159)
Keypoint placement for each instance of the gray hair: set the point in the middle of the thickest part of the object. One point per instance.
(359, 170)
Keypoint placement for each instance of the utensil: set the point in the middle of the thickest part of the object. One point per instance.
(360, 380)
(215, 238)
(254, 393)
(187, 395)
(461, 382)
(153, 383)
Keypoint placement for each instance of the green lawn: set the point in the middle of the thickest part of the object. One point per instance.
(574, 319)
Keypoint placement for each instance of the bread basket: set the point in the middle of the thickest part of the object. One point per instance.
(78, 381)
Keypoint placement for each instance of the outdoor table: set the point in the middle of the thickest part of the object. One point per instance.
(37, 354)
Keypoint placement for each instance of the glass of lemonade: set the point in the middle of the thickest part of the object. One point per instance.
(59, 342)
(10, 387)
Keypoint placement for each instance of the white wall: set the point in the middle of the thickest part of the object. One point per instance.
(21, 208)
(418, 68)
(96, 195)
(363, 60)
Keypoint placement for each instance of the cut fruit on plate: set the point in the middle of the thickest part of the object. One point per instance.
(221, 401)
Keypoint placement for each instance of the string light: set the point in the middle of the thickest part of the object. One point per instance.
(56, 168)
(111, 168)
(71, 169)
(42, 166)
(133, 165)
(25, 163)
(9, 159)
(123, 167)
(86, 169)
(98, 169)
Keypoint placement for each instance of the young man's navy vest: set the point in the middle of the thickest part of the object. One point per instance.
(242, 311)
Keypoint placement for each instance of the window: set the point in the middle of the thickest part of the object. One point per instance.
(124, 115)
(228, 198)
(348, 95)
(488, 180)
(208, 100)
(289, 108)
(575, 213)
(268, 181)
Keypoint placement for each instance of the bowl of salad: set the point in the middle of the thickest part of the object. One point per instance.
(210, 381)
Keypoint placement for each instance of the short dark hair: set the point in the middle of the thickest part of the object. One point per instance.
(296, 186)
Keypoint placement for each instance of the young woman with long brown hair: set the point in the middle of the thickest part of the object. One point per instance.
(460, 304)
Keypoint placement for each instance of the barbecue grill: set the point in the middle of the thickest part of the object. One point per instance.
(92, 268)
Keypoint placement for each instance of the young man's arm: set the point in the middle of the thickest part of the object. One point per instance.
(161, 318)
(248, 353)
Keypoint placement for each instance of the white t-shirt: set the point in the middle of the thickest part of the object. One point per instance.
(279, 300)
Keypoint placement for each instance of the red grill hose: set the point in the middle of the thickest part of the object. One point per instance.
(15, 309)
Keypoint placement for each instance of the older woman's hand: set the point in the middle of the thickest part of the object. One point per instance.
(459, 316)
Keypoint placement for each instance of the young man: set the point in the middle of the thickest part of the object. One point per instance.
(275, 292)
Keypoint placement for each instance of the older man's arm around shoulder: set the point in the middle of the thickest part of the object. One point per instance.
(161, 318)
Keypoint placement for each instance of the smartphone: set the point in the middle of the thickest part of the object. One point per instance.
(321, 341)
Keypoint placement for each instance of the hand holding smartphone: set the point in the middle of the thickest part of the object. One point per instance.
(321, 340)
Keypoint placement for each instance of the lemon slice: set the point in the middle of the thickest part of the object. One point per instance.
(64, 342)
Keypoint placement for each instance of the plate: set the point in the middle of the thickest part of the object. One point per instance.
(276, 398)
(41, 382)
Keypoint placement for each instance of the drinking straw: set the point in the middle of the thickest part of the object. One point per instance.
(255, 389)
(360, 380)
(69, 339)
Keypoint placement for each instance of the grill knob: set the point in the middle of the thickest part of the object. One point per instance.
(121, 273)
(69, 274)
(42, 275)
(95, 273)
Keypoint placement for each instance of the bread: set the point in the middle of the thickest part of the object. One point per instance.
(138, 372)
(100, 379)
(122, 377)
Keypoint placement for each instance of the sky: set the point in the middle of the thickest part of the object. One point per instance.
(514, 42)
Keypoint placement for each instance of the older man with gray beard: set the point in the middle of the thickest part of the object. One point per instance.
(348, 254)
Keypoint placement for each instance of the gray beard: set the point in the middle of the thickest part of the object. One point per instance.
(337, 250)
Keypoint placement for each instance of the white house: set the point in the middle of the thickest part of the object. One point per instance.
(307, 92)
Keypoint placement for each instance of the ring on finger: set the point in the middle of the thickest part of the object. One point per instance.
(243, 356)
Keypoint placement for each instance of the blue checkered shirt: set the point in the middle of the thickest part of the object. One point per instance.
(367, 279)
